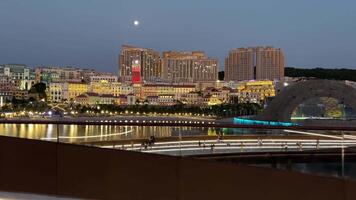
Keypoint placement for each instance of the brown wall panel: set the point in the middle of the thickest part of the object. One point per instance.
(27, 165)
(88, 172)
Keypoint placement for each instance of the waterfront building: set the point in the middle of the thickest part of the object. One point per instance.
(228, 84)
(255, 91)
(114, 88)
(8, 95)
(104, 87)
(203, 85)
(15, 81)
(139, 65)
(222, 93)
(213, 100)
(175, 90)
(138, 91)
(48, 74)
(105, 77)
(161, 100)
(188, 67)
(259, 63)
(6, 83)
(15, 71)
(91, 98)
(26, 84)
(220, 84)
(131, 99)
(55, 91)
(48, 77)
(73, 89)
(192, 98)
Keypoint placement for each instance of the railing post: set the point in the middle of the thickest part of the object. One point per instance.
(342, 156)
(180, 144)
(57, 133)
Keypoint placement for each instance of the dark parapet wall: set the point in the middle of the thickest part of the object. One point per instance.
(94, 173)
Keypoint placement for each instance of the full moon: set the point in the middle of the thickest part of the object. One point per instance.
(136, 23)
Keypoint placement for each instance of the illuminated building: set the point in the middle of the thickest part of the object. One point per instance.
(56, 74)
(162, 100)
(222, 93)
(137, 91)
(138, 65)
(188, 67)
(255, 91)
(90, 98)
(6, 83)
(15, 71)
(109, 78)
(49, 74)
(8, 95)
(192, 98)
(174, 90)
(73, 89)
(49, 77)
(55, 92)
(260, 63)
(131, 99)
(114, 88)
(26, 84)
(214, 100)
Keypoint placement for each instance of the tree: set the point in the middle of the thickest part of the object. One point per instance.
(39, 89)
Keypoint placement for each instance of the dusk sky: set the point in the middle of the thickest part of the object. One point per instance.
(89, 33)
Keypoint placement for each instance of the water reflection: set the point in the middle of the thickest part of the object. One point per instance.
(79, 133)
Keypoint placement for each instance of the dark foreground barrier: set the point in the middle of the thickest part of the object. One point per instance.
(87, 172)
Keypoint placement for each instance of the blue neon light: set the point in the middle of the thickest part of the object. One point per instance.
(260, 122)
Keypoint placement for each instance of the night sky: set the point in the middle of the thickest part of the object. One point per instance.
(89, 33)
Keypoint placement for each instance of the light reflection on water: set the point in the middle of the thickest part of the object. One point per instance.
(77, 133)
(81, 133)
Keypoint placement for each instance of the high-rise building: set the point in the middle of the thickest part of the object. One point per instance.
(260, 63)
(269, 63)
(188, 67)
(138, 65)
(239, 65)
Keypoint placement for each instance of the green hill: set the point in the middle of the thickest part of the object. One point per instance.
(322, 73)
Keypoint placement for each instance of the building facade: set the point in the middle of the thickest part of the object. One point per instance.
(137, 65)
(49, 74)
(259, 63)
(114, 88)
(188, 67)
(255, 91)
(110, 78)
(55, 92)
(16, 72)
(73, 89)
(239, 65)
(269, 63)
(166, 90)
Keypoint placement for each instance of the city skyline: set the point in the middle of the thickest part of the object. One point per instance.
(310, 33)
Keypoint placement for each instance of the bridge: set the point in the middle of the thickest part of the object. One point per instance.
(282, 106)
(291, 141)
